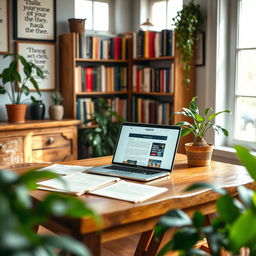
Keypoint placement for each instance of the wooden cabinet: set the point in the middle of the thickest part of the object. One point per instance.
(38, 141)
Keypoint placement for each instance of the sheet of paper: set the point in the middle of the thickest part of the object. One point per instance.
(129, 191)
(65, 169)
(78, 183)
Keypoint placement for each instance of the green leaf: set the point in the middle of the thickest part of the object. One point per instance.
(227, 209)
(247, 159)
(193, 106)
(243, 230)
(2, 90)
(23, 196)
(185, 131)
(7, 177)
(35, 84)
(208, 186)
(198, 219)
(246, 196)
(216, 114)
(207, 110)
(25, 89)
(166, 248)
(199, 118)
(27, 70)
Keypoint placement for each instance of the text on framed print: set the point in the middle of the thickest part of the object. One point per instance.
(35, 19)
(43, 55)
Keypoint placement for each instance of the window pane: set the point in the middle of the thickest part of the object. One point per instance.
(101, 16)
(159, 15)
(245, 119)
(173, 7)
(83, 9)
(246, 73)
(246, 24)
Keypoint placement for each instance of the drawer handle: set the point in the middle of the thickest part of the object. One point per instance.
(51, 140)
(1, 145)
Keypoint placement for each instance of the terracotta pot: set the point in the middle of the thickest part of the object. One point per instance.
(56, 112)
(16, 112)
(76, 25)
(198, 155)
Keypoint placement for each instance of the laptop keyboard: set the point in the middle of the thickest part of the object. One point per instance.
(130, 169)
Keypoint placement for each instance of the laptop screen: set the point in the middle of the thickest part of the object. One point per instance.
(151, 146)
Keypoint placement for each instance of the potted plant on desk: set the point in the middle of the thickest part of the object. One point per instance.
(199, 152)
(56, 111)
(18, 82)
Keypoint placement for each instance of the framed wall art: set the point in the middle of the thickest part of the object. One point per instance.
(43, 55)
(4, 25)
(35, 20)
(200, 50)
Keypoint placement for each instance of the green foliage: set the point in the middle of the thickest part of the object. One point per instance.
(233, 229)
(188, 24)
(10, 76)
(102, 139)
(18, 217)
(57, 98)
(201, 122)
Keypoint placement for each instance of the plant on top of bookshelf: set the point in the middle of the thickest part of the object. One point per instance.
(188, 24)
(231, 232)
(102, 139)
(199, 152)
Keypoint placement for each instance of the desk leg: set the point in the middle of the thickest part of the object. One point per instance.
(144, 241)
(92, 242)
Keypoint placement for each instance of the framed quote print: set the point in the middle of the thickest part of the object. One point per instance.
(35, 20)
(4, 36)
(43, 55)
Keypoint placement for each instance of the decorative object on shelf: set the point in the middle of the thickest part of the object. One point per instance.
(35, 20)
(199, 152)
(19, 221)
(4, 39)
(231, 232)
(18, 80)
(43, 55)
(56, 111)
(37, 109)
(188, 24)
(102, 139)
(146, 25)
(76, 25)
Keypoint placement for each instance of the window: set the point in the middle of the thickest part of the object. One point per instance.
(162, 12)
(97, 14)
(243, 74)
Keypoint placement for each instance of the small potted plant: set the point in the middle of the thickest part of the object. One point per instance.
(56, 111)
(37, 109)
(18, 83)
(199, 152)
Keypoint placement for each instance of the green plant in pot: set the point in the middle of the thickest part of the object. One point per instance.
(15, 84)
(199, 152)
(233, 230)
(188, 24)
(101, 140)
(56, 110)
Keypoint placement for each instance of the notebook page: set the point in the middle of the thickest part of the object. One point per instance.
(78, 183)
(64, 169)
(129, 191)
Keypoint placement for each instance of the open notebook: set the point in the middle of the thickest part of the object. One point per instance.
(81, 183)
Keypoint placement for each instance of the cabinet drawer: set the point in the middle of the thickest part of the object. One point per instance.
(52, 154)
(11, 145)
(9, 159)
(50, 141)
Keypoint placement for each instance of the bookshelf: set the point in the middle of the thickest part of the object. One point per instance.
(178, 97)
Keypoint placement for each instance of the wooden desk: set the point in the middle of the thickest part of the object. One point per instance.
(122, 218)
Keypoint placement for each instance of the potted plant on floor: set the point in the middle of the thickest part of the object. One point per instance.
(18, 82)
(56, 111)
(233, 230)
(199, 152)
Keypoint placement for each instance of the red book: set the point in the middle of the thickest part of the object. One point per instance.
(88, 79)
(142, 111)
(138, 80)
(117, 46)
(152, 36)
(162, 80)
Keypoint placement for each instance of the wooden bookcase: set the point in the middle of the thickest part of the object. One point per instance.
(180, 97)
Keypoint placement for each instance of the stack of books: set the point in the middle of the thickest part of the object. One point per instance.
(151, 44)
(150, 111)
(93, 47)
(100, 79)
(148, 79)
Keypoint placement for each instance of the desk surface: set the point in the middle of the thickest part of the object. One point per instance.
(115, 212)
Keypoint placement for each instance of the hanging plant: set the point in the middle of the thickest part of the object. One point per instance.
(188, 24)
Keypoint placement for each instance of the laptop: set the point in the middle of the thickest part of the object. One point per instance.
(143, 152)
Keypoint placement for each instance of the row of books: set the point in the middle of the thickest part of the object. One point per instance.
(151, 111)
(85, 107)
(100, 79)
(93, 47)
(148, 79)
(150, 44)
